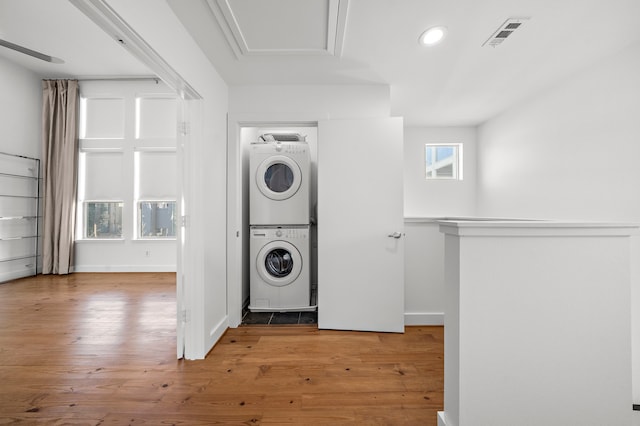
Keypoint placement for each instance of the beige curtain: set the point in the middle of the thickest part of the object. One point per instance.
(60, 105)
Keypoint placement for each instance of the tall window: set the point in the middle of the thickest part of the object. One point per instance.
(443, 161)
(127, 162)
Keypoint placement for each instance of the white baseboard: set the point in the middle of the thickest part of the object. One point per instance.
(424, 318)
(125, 268)
(441, 420)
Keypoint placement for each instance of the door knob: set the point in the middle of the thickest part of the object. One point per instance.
(395, 235)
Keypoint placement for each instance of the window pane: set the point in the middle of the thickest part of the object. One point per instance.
(157, 219)
(444, 152)
(102, 118)
(157, 118)
(429, 155)
(156, 175)
(103, 175)
(443, 161)
(103, 219)
(445, 171)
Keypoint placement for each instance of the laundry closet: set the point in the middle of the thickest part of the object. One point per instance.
(279, 198)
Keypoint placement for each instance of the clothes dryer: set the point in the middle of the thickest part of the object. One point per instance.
(280, 273)
(279, 183)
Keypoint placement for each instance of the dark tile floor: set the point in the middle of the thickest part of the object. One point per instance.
(281, 318)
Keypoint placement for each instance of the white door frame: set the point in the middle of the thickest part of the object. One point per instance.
(237, 215)
(190, 307)
(181, 143)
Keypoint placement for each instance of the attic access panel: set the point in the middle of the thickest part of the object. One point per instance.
(282, 27)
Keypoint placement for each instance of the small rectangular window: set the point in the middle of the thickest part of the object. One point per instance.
(157, 219)
(103, 219)
(443, 161)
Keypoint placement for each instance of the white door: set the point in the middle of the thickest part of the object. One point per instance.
(360, 225)
(183, 184)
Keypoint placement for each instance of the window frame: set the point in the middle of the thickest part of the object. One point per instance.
(85, 221)
(457, 163)
(138, 215)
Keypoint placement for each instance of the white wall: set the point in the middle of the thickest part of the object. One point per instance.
(207, 281)
(436, 198)
(20, 110)
(423, 273)
(321, 102)
(572, 152)
(20, 121)
(424, 250)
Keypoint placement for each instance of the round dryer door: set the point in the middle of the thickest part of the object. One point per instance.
(278, 177)
(279, 263)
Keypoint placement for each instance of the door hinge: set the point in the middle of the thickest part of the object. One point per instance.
(184, 128)
(185, 315)
(183, 221)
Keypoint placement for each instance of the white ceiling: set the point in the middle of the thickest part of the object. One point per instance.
(458, 82)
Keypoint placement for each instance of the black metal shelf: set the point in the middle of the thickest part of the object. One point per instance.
(21, 237)
(11, 259)
(19, 217)
(13, 175)
(19, 196)
(10, 168)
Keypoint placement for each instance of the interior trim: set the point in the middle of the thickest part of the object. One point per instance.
(336, 29)
(110, 22)
(424, 318)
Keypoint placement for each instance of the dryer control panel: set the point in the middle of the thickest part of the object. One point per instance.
(286, 233)
(294, 148)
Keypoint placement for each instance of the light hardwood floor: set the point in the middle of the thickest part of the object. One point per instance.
(99, 349)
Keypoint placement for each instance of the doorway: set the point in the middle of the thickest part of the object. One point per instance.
(241, 135)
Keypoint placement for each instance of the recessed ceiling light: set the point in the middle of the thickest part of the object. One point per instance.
(432, 36)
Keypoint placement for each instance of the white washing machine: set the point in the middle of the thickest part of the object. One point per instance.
(279, 183)
(280, 273)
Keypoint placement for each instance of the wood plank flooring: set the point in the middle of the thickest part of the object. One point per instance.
(99, 349)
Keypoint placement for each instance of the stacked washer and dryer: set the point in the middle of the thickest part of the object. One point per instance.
(279, 217)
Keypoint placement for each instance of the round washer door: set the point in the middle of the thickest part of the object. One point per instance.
(279, 263)
(278, 177)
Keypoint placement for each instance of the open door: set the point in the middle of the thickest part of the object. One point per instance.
(360, 225)
(183, 166)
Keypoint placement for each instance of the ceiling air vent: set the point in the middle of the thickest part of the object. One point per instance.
(505, 30)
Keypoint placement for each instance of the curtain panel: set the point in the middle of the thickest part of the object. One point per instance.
(60, 107)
